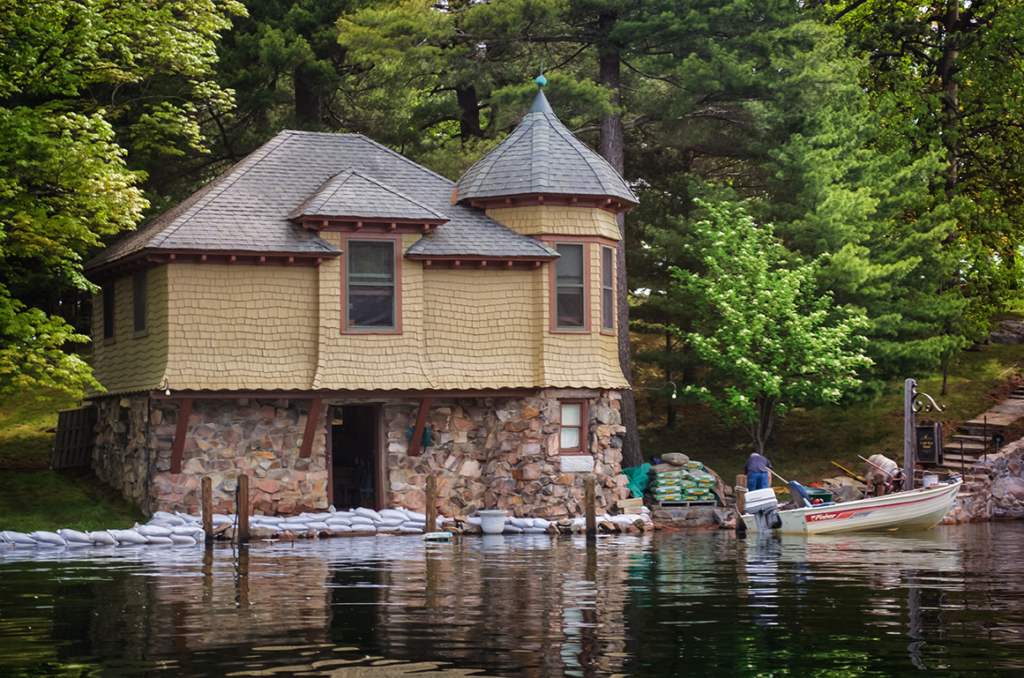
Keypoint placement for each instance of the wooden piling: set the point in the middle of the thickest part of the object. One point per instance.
(207, 499)
(431, 524)
(741, 498)
(243, 509)
(590, 506)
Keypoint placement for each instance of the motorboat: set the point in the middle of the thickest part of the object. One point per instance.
(918, 509)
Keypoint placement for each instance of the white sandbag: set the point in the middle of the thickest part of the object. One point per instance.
(416, 516)
(153, 531)
(222, 519)
(339, 527)
(391, 522)
(124, 537)
(520, 522)
(534, 530)
(188, 518)
(411, 528)
(169, 518)
(75, 536)
(624, 519)
(188, 531)
(363, 520)
(364, 527)
(541, 523)
(17, 538)
(473, 520)
(183, 540)
(293, 527)
(156, 522)
(270, 520)
(392, 514)
(44, 538)
(159, 541)
(369, 513)
(318, 525)
(579, 522)
(102, 538)
(511, 529)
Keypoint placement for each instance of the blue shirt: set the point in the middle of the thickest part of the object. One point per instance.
(757, 464)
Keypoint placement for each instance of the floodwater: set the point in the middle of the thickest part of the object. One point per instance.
(695, 603)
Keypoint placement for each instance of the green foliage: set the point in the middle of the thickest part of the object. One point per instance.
(83, 85)
(772, 341)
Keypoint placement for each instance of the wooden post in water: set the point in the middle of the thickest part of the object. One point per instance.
(243, 509)
(431, 524)
(590, 506)
(741, 498)
(207, 499)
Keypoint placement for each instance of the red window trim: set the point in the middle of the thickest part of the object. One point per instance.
(397, 240)
(584, 447)
(553, 289)
(614, 305)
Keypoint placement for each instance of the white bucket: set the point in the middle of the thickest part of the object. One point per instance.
(929, 480)
(492, 522)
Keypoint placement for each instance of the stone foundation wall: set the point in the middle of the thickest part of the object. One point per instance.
(226, 438)
(504, 453)
(487, 453)
(998, 488)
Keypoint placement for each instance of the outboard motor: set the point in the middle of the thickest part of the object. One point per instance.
(763, 505)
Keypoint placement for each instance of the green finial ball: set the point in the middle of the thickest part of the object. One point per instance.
(541, 81)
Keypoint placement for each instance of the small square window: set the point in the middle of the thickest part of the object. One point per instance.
(573, 433)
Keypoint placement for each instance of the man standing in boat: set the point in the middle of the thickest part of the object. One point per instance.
(757, 472)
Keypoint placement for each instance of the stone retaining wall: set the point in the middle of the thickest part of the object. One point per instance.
(998, 490)
(487, 453)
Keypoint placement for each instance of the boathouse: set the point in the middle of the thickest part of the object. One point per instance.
(338, 323)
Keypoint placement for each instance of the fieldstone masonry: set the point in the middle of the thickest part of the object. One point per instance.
(226, 438)
(504, 453)
(487, 453)
(998, 489)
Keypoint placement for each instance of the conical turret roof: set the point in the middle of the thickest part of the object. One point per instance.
(542, 157)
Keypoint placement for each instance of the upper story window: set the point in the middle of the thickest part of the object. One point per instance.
(570, 287)
(108, 312)
(371, 284)
(140, 302)
(607, 289)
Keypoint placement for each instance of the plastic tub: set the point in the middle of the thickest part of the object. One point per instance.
(492, 522)
(815, 493)
(929, 480)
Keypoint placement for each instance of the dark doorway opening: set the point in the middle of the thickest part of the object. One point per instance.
(355, 458)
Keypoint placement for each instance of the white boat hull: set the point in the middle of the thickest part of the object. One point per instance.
(918, 509)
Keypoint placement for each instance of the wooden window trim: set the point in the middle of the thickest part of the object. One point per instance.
(553, 290)
(397, 242)
(139, 333)
(611, 310)
(584, 427)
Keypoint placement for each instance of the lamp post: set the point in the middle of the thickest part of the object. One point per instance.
(911, 406)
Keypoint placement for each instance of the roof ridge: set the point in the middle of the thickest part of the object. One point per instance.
(394, 191)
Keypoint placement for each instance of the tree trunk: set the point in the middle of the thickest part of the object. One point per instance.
(612, 151)
(469, 113)
(670, 410)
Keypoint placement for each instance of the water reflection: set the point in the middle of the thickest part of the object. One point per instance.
(528, 605)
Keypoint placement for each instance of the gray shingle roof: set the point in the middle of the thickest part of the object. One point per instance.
(247, 208)
(542, 156)
(353, 194)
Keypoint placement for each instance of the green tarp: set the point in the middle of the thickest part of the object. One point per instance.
(637, 478)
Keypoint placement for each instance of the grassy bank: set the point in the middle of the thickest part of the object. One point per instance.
(807, 441)
(34, 498)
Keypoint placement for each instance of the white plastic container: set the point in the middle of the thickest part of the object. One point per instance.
(929, 480)
(756, 500)
(492, 522)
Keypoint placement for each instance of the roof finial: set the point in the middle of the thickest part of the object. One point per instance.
(540, 79)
